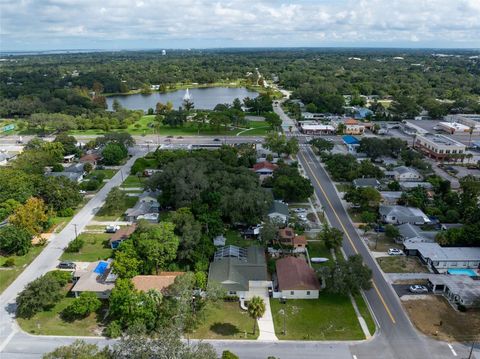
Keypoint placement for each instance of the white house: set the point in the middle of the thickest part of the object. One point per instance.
(401, 214)
(295, 279)
(404, 174)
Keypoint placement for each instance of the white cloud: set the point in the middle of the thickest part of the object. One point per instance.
(240, 22)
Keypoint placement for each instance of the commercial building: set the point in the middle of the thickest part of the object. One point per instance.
(453, 127)
(353, 127)
(438, 147)
(315, 128)
(352, 143)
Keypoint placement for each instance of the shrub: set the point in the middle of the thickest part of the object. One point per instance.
(9, 262)
(57, 167)
(88, 167)
(90, 185)
(75, 245)
(82, 306)
(462, 308)
(113, 330)
(62, 277)
(67, 212)
(227, 354)
(15, 240)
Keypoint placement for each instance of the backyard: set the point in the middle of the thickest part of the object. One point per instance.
(50, 322)
(235, 238)
(318, 249)
(331, 317)
(401, 264)
(225, 320)
(94, 248)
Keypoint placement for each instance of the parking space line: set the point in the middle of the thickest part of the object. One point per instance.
(453, 351)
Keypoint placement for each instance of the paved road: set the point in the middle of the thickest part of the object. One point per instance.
(48, 258)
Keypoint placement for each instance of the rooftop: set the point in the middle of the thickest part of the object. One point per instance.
(286, 232)
(441, 140)
(403, 212)
(295, 274)
(97, 277)
(366, 182)
(264, 165)
(123, 233)
(157, 282)
(279, 207)
(464, 286)
(438, 253)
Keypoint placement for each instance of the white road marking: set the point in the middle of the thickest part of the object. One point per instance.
(453, 351)
(354, 356)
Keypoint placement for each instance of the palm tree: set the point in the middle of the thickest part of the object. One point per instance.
(256, 310)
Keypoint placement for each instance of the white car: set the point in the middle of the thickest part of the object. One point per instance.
(418, 289)
(394, 252)
(300, 210)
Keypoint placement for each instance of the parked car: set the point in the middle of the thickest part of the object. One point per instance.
(216, 140)
(170, 136)
(112, 228)
(299, 210)
(67, 265)
(394, 252)
(418, 289)
(180, 137)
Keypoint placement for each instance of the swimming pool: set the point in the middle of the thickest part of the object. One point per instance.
(469, 272)
(101, 267)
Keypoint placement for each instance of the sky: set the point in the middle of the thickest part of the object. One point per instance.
(27, 25)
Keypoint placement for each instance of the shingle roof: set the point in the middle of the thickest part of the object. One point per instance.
(123, 233)
(295, 274)
(366, 182)
(158, 282)
(264, 165)
(279, 207)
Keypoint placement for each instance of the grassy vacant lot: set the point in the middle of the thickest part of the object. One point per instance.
(8, 275)
(401, 264)
(50, 322)
(363, 309)
(225, 320)
(103, 216)
(343, 187)
(379, 241)
(234, 238)
(95, 248)
(108, 173)
(133, 181)
(331, 317)
(434, 316)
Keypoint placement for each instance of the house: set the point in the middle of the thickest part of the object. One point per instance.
(295, 279)
(390, 197)
(241, 271)
(147, 207)
(72, 176)
(92, 158)
(405, 186)
(444, 259)
(96, 277)
(159, 282)
(352, 143)
(358, 113)
(353, 127)
(286, 236)
(402, 214)
(264, 168)
(457, 289)
(438, 147)
(279, 212)
(366, 182)
(404, 174)
(415, 234)
(120, 235)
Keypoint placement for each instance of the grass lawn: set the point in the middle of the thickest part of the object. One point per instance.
(8, 275)
(381, 243)
(401, 264)
(331, 317)
(225, 320)
(363, 309)
(133, 181)
(109, 173)
(93, 249)
(318, 249)
(355, 216)
(128, 203)
(257, 128)
(50, 322)
(234, 238)
(343, 187)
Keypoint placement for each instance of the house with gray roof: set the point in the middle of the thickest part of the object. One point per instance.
(279, 212)
(415, 233)
(390, 197)
(457, 289)
(147, 207)
(405, 186)
(444, 259)
(72, 176)
(366, 182)
(404, 174)
(402, 214)
(241, 271)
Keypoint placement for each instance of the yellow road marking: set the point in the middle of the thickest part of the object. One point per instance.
(347, 235)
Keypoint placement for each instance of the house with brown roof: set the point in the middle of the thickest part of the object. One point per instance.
(120, 235)
(92, 158)
(159, 282)
(296, 279)
(264, 168)
(287, 237)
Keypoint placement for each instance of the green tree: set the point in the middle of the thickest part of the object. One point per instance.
(82, 306)
(127, 262)
(114, 153)
(331, 236)
(291, 147)
(321, 144)
(7, 208)
(256, 310)
(289, 185)
(33, 216)
(273, 120)
(363, 198)
(392, 232)
(115, 201)
(69, 143)
(59, 193)
(15, 240)
(226, 354)
(78, 350)
(275, 142)
(17, 185)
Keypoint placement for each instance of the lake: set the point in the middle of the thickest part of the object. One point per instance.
(203, 98)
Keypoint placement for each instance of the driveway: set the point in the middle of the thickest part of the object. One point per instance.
(265, 323)
(403, 289)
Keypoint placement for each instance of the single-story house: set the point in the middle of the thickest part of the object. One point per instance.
(92, 158)
(402, 214)
(147, 204)
(352, 143)
(404, 174)
(390, 197)
(414, 233)
(279, 212)
(120, 235)
(457, 289)
(72, 176)
(366, 182)
(295, 279)
(358, 112)
(159, 282)
(241, 271)
(97, 277)
(442, 259)
(264, 168)
(405, 186)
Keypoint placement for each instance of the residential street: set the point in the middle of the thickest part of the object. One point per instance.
(48, 258)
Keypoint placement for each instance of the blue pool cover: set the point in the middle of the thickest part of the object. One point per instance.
(101, 267)
(468, 272)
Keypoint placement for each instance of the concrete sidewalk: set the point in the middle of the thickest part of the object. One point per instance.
(265, 324)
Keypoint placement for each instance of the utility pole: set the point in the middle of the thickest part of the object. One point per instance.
(76, 234)
(471, 350)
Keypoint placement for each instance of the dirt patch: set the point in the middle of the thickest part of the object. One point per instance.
(401, 264)
(411, 281)
(435, 317)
